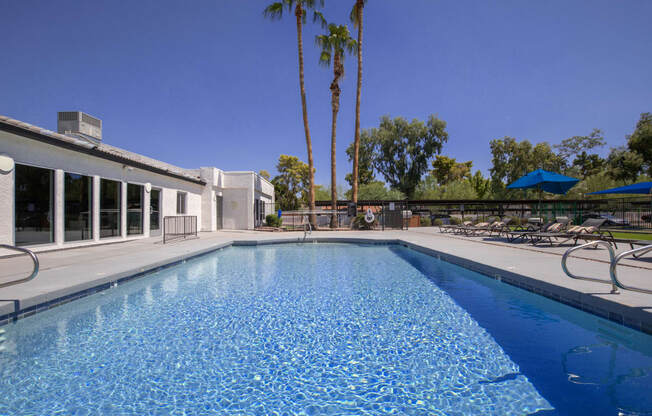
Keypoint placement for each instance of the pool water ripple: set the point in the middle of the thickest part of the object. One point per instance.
(284, 329)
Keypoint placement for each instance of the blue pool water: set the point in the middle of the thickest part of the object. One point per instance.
(321, 329)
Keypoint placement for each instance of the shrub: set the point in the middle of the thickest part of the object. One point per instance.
(273, 220)
(359, 223)
(425, 222)
(438, 222)
(456, 220)
(516, 221)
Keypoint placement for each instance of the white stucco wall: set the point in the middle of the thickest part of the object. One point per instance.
(239, 190)
(238, 209)
(7, 207)
(31, 152)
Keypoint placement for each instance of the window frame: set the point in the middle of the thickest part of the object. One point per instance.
(53, 193)
(92, 204)
(182, 209)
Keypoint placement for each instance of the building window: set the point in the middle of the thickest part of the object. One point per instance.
(34, 199)
(181, 202)
(134, 209)
(154, 210)
(78, 207)
(110, 208)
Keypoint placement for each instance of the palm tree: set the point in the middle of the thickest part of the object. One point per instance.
(274, 12)
(333, 47)
(356, 18)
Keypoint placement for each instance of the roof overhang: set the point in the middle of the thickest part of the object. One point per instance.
(92, 151)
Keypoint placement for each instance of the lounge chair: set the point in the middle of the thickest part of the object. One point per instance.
(481, 227)
(449, 228)
(589, 230)
(501, 227)
(527, 230)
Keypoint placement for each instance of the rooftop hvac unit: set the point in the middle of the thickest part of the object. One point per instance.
(76, 122)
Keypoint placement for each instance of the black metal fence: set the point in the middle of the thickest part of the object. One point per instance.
(180, 226)
(626, 213)
(386, 215)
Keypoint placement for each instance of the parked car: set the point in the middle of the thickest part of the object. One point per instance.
(445, 218)
(611, 220)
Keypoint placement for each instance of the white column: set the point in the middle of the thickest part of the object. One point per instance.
(7, 221)
(123, 210)
(96, 208)
(147, 195)
(58, 206)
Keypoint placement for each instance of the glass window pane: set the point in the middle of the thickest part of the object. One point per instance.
(154, 210)
(34, 204)
(78, 207)
(110, 208)
(134, 209)
(181, 202)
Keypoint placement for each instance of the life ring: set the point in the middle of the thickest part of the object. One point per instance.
(369, 217)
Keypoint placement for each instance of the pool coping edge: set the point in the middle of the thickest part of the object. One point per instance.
(633, 317)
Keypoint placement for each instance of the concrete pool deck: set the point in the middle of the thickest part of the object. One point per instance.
(69, 274)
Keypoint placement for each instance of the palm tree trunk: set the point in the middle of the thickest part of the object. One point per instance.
(335, 104)
(298, 12)
(356, 141)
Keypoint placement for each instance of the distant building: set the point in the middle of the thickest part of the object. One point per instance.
(69, 188)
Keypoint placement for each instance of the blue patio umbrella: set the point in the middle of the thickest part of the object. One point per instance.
(544, 180)
(636, 188)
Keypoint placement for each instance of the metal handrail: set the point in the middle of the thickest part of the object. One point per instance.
(613, 281)
(307, 229)
(614, 264)
(34, 271)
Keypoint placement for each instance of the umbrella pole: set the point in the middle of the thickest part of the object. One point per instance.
(540, 212)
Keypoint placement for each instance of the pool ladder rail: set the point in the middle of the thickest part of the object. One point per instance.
(614, 260)
(307, 230)
(34, 260)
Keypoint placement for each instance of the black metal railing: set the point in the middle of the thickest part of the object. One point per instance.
(627, 213)
(179, 226)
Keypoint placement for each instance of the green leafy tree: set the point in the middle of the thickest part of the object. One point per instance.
(641, 140)
(357, 19)
(322, 193)
(274, 12)
(480, 184)
(264, 174)
(404, 150)
(624, 165)
(572, 147)
(592, 183)
(365, 160)
(457, 189)
(512, 159)
(292, 182)
(376, 190)
(447, 169)
(334, 45)
(588, 164)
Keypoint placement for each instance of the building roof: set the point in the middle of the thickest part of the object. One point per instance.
(101, 150)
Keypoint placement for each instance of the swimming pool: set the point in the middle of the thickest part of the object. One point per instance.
(321, 329)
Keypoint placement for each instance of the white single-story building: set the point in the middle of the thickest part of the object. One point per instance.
(67, 189)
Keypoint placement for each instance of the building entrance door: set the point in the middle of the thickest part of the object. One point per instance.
(218, 212)
(155, 213)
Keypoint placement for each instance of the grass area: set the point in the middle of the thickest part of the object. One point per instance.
(633, 236)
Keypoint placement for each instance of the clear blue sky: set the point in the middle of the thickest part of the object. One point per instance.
(211, 83)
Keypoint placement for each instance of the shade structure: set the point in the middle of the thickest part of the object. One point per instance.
(544, 180)
(636, 188)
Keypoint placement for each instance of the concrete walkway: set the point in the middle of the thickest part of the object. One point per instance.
(73, 273)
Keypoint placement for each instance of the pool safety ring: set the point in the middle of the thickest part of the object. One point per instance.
(369, 217)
